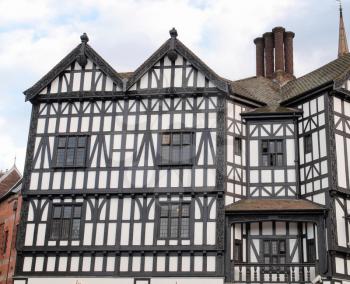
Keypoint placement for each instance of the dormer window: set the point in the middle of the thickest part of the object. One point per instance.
(271, 154)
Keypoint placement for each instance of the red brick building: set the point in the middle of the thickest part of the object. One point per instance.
(10, 204)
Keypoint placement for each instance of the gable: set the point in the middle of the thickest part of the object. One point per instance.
(77, 79)
(173, 65)
(69, 76)
(168, 74)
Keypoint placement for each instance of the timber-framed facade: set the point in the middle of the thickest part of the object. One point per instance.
(173, 174)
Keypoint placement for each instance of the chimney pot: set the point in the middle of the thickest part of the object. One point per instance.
(260, 61)
(269, 58)
(288, 50)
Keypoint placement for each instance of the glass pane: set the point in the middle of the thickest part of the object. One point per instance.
(65, 229)
(282, 247)
(266, 260)
(77, 212)
(166, 139)
(272, 159)
(271, 146)
(82, 141)
(238, 146)
(61, 142)
(175, 210)
(55, 229)
(67, 212)
(165, 154)
(75, 229)
(264, 146)
(70, 157)
(274, 247)
(175, 154)
(163, 230)
(176, 139)
(186, 154)
(265, 160)
(72, 142)
(174, 227)
(60, 157)
(80, 157)
(186, 139)
(279, 147)
(185, 228)
(164, 211)
(275, 260)
(57, 212)
(185, 210)
(279, 161)
(266, 247)
(282, 260)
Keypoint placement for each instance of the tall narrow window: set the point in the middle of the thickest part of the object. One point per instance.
(274, 255)
(238, 251)
(2, 237)
(176, 148)
(272, 153)
(6, 236)
(238, 146)
(311, 250)
(174, 221)
(308, 143)
(65, 223)
(71, 151)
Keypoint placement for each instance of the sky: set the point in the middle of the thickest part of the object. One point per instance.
(36, 34)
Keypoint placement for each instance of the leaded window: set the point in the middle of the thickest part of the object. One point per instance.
(311, 250)
(238, 146)
(174, 221)
(272, 153)
(71, 151)
(176, 148)
(274, 255)
(65, 223)
(238, 251)
(308, 143)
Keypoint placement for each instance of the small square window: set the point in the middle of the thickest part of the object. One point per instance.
(176, 149)
(71, 151)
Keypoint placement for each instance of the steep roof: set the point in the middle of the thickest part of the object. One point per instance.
(260, 205)
(328, 73)
(9, 180)
(259, 89)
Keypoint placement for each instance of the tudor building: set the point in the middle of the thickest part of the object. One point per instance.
(173, 174)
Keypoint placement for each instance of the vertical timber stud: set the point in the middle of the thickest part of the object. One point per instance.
(26, 182)
(220, 183)
(332, 175)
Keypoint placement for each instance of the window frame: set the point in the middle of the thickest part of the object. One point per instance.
(237, 147)
(269, 267)
(308, 143)
(66, 147)
(238, 247)
(311, 250)
(272, 155)
(170, 163)
(61, 218)
(179, 219)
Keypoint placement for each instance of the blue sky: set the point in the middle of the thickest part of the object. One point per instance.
(36, 34)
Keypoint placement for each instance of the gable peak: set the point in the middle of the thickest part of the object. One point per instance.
(173, 33)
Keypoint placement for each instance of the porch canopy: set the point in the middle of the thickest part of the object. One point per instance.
(268, 209)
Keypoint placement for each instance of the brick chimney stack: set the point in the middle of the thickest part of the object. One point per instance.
(260, 60)
(288, 51)
(274, 55)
